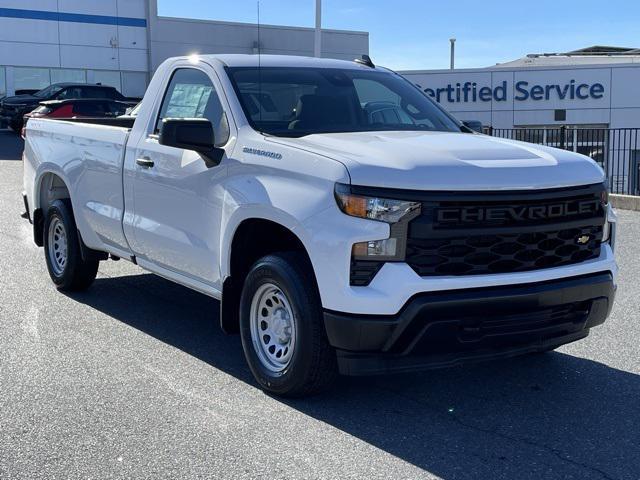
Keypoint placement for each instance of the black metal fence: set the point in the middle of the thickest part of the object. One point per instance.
(617, 150)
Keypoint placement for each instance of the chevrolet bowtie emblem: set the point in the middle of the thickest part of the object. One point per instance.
(584, 239)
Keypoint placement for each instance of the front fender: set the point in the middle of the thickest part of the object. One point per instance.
(253, 212)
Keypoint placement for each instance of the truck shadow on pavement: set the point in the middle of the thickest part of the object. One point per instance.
(541, 416)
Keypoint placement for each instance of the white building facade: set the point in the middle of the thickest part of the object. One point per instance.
(121, 42)
(587, 101)
(593, 87)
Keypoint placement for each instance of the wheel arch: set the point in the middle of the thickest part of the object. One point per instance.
(250, 239)
(50, 185)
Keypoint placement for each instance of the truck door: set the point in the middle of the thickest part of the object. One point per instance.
(177, 196)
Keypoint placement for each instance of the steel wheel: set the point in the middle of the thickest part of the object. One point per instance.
(58, 246)
(273, 328)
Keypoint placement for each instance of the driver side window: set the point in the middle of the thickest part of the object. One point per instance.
(191, 94)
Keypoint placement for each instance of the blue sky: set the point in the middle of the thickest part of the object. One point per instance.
(414, 34)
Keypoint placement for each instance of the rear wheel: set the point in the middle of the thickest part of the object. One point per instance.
(68, 270)
(282, 328)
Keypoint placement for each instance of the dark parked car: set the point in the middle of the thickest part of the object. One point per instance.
(78, 108)
(13, 109)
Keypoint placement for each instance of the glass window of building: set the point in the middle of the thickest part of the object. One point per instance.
(66, 75)
(27, 78)
(3, 82)
(106, 77)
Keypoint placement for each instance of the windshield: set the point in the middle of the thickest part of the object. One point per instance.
(47, 92)
(286, 101)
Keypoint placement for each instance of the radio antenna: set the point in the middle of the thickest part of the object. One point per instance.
(259, 66)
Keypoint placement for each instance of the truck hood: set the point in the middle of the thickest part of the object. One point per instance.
(449, 161)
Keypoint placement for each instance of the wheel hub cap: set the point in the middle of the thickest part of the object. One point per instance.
(58, 247)
(272, 327)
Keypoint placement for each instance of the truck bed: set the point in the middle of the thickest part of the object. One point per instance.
(126, 122)
(88, 155)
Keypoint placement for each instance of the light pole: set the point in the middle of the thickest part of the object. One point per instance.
(453, 52)
(317, 47)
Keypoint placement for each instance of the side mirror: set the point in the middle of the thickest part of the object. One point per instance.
(474, 125)
(191, 134)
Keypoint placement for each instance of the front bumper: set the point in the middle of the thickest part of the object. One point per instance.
(442, 329)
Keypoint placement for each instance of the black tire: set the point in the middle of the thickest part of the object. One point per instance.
(76, 274)
(312, 367)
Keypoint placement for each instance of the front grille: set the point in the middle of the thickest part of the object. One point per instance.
(492, 329)
(519, 322)
(502, 253)
(475, 234)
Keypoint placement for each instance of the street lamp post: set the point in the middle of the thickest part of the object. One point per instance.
(453, 52)
(317, 48)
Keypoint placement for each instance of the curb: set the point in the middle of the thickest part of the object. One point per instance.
(625, 202)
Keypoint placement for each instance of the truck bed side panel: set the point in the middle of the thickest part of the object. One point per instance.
(89, 159)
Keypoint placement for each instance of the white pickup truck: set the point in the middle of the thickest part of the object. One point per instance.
(347, 223)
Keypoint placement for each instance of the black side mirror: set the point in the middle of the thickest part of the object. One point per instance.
(191, 134)
(474, 125)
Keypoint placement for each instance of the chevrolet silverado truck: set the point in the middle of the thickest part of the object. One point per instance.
(345, 221)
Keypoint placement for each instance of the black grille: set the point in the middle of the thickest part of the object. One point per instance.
(491, 329)
(518, 322)
(362, 272)
(506, 232)
(503, 253)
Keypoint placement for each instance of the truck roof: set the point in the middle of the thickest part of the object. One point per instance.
(241, 60)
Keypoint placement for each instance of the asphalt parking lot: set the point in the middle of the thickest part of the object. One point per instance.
(133, 379)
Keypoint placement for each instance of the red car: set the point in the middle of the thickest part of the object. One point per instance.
(77, 108)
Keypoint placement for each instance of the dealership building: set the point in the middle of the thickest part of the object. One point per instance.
(586, 100)
(121, 42)
(591, 87)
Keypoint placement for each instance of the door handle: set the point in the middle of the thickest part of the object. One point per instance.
(145, 162)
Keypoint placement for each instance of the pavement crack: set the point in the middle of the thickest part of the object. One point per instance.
(554, 451)
(559, 454)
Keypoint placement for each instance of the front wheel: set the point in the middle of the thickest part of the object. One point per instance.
(68, 270)
(282, 327)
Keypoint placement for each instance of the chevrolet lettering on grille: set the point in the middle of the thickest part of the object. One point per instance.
(518, 213)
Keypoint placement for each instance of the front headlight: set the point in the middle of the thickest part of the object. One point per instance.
(374, 208)
(397, 213)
